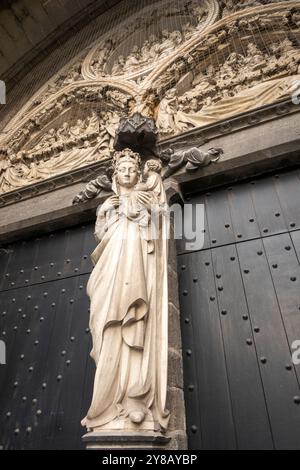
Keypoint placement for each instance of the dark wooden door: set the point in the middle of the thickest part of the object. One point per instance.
(46, 385)
(240, 304)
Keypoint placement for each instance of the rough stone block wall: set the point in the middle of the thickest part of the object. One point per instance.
(175, 397)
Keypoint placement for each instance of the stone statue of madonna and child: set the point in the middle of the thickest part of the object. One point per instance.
(128, 290)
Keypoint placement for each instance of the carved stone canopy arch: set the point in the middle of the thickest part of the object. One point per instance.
(145, 40)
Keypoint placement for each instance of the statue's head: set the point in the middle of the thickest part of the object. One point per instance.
(252, 48)
(175, 35)
(152, 165)
(171, 93)
(152, 38)
(166, 154)
(194, 104)
(127, 169)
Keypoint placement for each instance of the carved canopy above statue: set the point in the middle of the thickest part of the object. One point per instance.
(186, 66)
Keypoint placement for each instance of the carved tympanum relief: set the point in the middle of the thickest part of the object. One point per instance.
(185, 65)
(245, 80)
(141, 44)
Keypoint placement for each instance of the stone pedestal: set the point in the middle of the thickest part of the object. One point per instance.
(124, 440)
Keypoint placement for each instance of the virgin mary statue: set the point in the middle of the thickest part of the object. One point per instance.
(129, 305)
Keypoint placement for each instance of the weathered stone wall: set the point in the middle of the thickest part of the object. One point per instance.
(28, 27)
(25, 70)
(175, 397)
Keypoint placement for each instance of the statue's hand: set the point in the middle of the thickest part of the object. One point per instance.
(114, 201)
(140, 187)
(144, 198)
(77, 199)
(111, 203)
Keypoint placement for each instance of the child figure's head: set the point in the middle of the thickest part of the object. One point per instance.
(152, 165)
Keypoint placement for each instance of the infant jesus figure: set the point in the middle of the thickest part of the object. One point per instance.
(153, 183)
(158, 206)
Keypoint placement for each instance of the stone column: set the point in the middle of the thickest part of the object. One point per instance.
(175, 397)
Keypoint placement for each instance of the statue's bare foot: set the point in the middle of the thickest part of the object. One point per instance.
(137, 417)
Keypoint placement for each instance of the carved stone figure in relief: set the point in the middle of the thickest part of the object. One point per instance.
(63, 134)
(200, 11)
(170, 40)
(232, 6)
(133, 60)
(118, 65)
(145, 105)
(255, 57)
(188, 31)
(166, 113)
(153, 48)
(129, 305)
(192, 159)
(103, 54)
(152, 173)
(92, 125)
